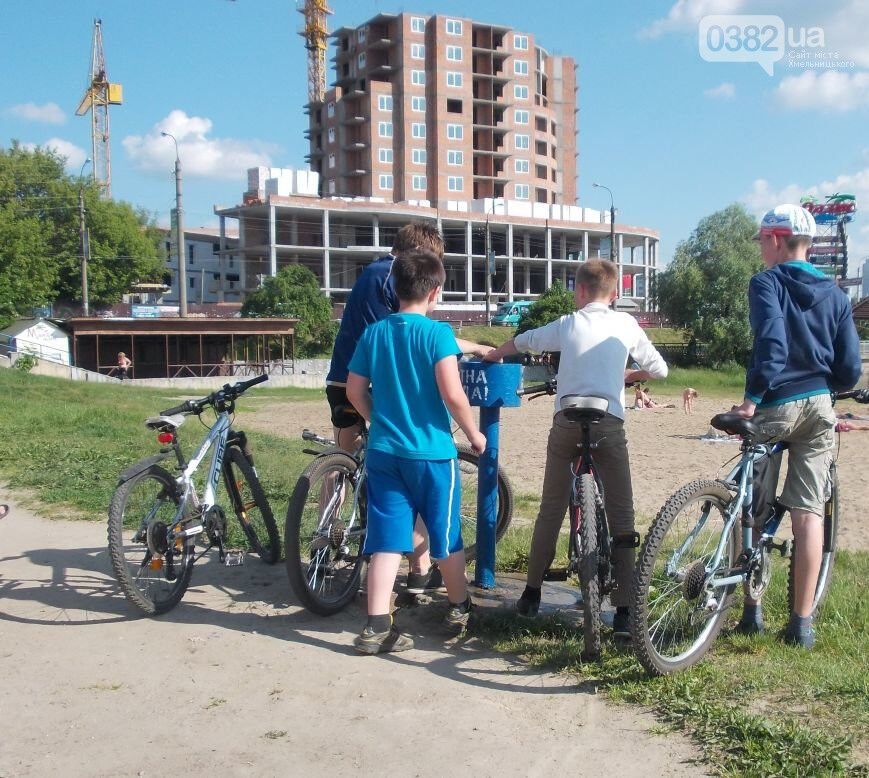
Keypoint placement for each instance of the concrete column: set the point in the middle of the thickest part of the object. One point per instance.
(585, 245)
(469, 267)
(273, 249)
(510, 262)
(563, 246)
(221, 260)
(376, 226)
(527, 278)
(294, 230)
(548, 247)
(620, 240)
(327, 260)
(646, 252)
(526, 244)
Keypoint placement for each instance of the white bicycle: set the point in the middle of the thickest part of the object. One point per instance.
(155, 518)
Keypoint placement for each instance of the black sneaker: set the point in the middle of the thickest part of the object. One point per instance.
(747, 626)
(458, 616)
(391, 641)
(622, 624)
(421, 583)
(529, 603)
(795, 635)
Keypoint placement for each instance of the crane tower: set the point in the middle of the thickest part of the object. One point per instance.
(98, 96)
(316, 36)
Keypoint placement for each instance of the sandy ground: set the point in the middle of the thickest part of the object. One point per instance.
(665, 447)
(239, 681)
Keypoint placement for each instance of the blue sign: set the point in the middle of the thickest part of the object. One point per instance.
(491, 385)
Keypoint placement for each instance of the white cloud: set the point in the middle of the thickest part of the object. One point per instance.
(834, 90)
(75, 155)
(845, 31)
(725, 91)
(762, 197)
(49, 113)
(685, 14)
(200, 155)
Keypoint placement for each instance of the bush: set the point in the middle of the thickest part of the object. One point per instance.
(555, 302)
(26, 362)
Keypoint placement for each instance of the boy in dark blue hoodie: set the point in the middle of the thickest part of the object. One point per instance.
(805, 347)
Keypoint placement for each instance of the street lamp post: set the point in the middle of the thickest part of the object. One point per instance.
(179, 233)
(85, 242)
(614, 254)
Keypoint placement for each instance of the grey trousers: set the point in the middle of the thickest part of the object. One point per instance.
(613, 465)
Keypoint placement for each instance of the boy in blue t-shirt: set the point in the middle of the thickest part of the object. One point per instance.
(410, 364)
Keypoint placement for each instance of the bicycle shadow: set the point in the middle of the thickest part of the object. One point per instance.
(74, 587)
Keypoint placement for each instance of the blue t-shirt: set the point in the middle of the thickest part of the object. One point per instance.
(371, 299)
(408, 416)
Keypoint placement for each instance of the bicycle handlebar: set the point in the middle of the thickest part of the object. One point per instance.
(227, 393)
(860, 395)
(550, 387)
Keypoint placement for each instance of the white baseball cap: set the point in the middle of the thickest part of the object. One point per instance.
(788, 220)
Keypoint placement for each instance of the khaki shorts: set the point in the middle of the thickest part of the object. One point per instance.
(807, 426)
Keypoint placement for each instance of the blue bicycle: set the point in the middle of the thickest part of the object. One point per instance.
(703, 543)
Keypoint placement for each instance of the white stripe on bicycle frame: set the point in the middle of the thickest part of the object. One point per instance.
(454, 465)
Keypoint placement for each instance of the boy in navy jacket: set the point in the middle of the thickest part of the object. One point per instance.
(805, 347)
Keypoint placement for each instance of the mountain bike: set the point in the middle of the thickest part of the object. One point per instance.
(590, 544)
(325, 528)
(695, 555)
(155, 518)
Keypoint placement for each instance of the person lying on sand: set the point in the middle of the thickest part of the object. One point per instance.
(644, 401)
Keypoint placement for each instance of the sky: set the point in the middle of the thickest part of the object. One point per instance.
(673, 135)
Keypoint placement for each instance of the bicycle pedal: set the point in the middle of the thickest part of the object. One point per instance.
(785, 548)
(555, 574)
(234, 557)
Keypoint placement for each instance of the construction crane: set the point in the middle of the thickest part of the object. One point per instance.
(316, 37)
(98, 96)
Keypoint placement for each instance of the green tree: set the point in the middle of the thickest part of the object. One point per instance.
(294, 293)
(554, 303)
(705, 288)
(40, 248)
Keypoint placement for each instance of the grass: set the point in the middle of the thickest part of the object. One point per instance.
(725, 381)
(495, 336)
(754, 706)
(68, 441)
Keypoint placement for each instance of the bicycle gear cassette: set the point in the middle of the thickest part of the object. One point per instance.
(695, 578)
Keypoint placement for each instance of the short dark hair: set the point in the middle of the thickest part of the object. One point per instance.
(599, 276)
(416, 273)
(419, 235)
(794, 242)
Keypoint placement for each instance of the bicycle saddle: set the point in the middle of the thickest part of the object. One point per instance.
(164, 423)
(734, 424)
(578, 408)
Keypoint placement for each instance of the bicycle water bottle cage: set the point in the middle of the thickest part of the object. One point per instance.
(577, 408)
(734, 424)
(165, 423)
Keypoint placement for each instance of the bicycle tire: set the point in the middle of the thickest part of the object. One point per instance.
(246, 493)
(316, 588)
(469, 464)
(589, 570)
(647, 579)
(831, 531)
(124, 517)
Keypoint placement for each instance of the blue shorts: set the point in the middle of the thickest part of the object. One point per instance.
(399, 489)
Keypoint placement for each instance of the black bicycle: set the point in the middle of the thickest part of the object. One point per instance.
(590, 544)
(326, 522)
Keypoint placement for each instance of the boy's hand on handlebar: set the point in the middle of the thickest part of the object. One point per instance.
(477, 441)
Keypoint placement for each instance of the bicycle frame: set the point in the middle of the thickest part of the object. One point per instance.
(216, 438)
(740, 478)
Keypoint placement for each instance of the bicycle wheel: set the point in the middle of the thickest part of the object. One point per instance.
(589, 569)
(675, 618)
(469, 466)
(250, 505)
(325, 533)
(831, 529)
(152, 576)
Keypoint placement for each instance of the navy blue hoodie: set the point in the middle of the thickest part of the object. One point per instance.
(805, 341)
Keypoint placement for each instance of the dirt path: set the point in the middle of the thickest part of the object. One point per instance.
(666, 451)
(239, 681)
